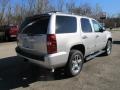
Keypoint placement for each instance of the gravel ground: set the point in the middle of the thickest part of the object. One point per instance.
(101, 73)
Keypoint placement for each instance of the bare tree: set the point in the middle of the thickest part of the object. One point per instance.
(3, 4)
(60, 5)
(31, 7)
(97, 11)
(118, 15)
(9, 14)
(70, 6)
(85, 9)
(41, 6)
(82, 9)
(19, 13)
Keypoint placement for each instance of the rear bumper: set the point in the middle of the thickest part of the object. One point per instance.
(13, 36)
(48, 61)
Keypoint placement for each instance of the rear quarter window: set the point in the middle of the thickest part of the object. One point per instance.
(66, 24)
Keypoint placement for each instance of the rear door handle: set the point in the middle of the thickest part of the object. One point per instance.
(84, 37)
(97, 36)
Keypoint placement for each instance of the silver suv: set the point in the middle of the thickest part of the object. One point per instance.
(56, 40)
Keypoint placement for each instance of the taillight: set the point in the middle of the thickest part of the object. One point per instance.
(51, 44)
(10, 32)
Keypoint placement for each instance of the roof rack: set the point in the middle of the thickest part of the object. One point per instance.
(55, 12)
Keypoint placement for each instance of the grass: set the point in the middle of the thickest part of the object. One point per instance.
(114, 30)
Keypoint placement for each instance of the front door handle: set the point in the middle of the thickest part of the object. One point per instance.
(84, 37)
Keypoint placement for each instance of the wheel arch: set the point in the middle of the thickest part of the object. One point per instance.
(79, 47)
(110, 39)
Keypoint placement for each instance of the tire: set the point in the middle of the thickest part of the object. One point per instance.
(7, 38)
(25, 60)
(108, 48)
(75, 63)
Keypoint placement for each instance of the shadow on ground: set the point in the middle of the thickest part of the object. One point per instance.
(14, 73)
(3, 41)
(116, 42)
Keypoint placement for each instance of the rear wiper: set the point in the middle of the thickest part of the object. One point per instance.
(30, 24)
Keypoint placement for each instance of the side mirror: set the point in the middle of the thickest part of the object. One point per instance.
(102, 29)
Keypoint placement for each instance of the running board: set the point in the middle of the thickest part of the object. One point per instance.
(92, 56)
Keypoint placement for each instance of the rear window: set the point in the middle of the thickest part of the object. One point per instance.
(35, 26)
(65, 24)
(13, 26)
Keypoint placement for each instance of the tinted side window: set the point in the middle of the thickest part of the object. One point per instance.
(86, 26)
(96, 26)
(65, 24)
